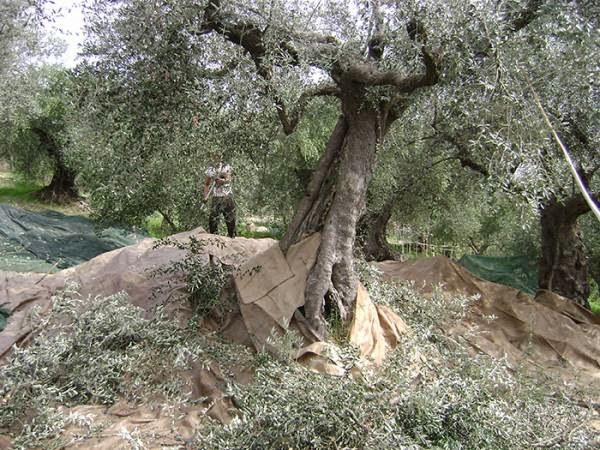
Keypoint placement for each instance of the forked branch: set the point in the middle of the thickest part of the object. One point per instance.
(290, 118)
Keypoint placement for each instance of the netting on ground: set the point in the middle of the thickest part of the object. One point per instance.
(50, 241)
(520, 272)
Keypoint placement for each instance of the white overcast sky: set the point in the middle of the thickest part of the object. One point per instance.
(68, 25)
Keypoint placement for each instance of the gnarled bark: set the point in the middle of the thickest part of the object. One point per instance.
(332, 277)
(371, 235)
(62, 186)
(336, 193)
(309, 214)
(563, 265)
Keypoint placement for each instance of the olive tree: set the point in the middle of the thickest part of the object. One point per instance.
(493, 126)
(35, 136)
(429, 191)
(34, 100)
(500, 128)
(372, 57)
(18, 23)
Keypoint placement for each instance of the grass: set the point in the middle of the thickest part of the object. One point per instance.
(14, 188)
(256, 228)
(154, 226)
(594, 298)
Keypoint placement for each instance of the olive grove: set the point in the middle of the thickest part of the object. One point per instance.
(34, 97)
(506, 121)
(166, 83)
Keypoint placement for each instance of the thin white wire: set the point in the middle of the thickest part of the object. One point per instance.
(584, 191)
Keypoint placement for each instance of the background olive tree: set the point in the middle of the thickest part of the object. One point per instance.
(34, 96)
(36, 134)
(499, 127)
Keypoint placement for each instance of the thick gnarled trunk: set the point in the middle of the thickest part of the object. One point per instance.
(563, 265)
(62, 187)
(333, 205)
(336, 193)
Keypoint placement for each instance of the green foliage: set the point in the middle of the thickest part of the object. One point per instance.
(80, 354)
(203, 276)
(594, 298)
(153, 224)
(19, 22)
(154, 122)
(35, 134)
(497, 121)
(97, 350)
(431, 393)
(16, 188)
(86, 355)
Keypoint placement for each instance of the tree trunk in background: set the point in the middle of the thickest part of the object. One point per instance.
(563, 265)
(62, 187)
(371, 235)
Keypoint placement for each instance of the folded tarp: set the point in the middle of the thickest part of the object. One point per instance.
(270, 288)
(547, 330)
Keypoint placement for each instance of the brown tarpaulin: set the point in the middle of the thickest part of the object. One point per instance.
(269, 290)
(270, 287)
(548, 330)
(125, 269)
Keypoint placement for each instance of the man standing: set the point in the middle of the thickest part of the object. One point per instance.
(218, 182)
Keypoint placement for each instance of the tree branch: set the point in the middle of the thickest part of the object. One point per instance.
(576, 205)
(316, 184)
(251, 39)
(290, 119)
(368, 74)
(246, 35)
(463, 155)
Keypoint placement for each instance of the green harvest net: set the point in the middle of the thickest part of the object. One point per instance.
(49, 241)
(520, 272)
